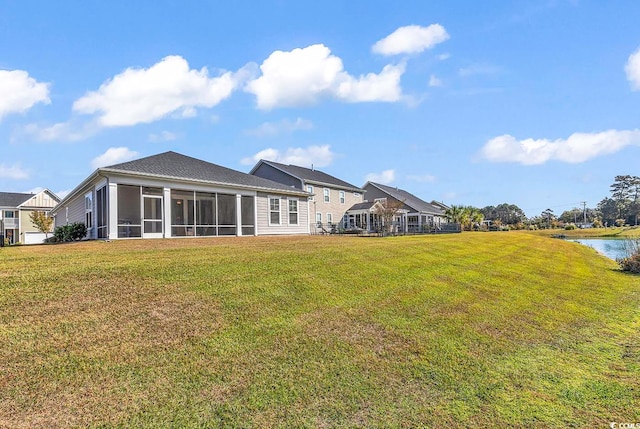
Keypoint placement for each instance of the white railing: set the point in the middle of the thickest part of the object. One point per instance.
(10, 223)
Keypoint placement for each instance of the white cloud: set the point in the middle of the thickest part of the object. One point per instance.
(19, 92)
(411, 39)
(424, 178)
(386, 177)
(579, 147)
(285, 126)
(146, 95)
(318, 156)
(14, 171)
(62, 131)
(305, 75)
(164, 136)
(444, 56)
(114, 155)
(434, 81)
(632, 69)
(384, 86)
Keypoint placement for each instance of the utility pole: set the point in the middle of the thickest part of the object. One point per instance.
(584, 213)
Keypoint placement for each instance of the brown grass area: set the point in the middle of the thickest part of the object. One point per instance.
(62, 342)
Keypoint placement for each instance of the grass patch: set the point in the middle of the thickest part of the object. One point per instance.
(462, 330)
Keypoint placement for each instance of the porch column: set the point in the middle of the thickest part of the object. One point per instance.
(238, 215)
(255, 215)
(112, 205)
(167, 212)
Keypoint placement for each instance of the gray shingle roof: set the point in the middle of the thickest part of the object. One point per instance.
(13, 199)
(362, 206)
(409, 199)
(313, 176)
(177, 166)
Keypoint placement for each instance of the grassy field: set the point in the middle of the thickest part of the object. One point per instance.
(466, 330)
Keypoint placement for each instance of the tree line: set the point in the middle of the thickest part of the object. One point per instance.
(622, 207)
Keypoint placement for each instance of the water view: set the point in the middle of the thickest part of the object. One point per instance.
(614, 248)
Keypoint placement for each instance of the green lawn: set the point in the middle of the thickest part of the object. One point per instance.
(466, 330)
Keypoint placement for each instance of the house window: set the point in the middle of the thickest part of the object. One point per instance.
(8, 214)
(293, 212)
(274, 211)
(227, 218)
(310, 190)
(356, 194)
(318, 217)
(101, 212)
(206, 214)
(329, 218)
(326, 194)
(341, 197)
(247, 212)
(88, 210)
(129, 213)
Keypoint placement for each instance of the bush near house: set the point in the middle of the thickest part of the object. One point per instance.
(71, 232)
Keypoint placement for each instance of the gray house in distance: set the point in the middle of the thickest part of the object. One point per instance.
(416, 215)
(331, 197)
(173, 195)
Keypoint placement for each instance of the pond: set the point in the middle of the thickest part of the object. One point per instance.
(614, 248)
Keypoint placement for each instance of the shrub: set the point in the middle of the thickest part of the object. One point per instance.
(632, 262)
(569, 227)
(71, 232)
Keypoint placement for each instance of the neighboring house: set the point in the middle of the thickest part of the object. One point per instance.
(15, 208)
(415, 215)
(173, 195)
(438, 204)
(331, 197)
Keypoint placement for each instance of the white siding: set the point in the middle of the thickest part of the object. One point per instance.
(75, 210)
(284, 228)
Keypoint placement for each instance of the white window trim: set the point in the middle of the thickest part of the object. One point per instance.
(88, 197)
(289, 212)
(342, 197)
(326, 197)
(329, 218)
(318, 215)
(310, 190)
(271, 197)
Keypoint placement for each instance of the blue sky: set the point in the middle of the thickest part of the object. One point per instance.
(534, 103)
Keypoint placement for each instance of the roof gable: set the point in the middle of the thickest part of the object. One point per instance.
(173, 165)
(409, 199)
(308, 175)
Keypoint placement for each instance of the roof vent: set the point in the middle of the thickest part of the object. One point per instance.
(312, 168)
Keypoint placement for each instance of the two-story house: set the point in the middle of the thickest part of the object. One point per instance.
(15, 208)
(416, 215)
(331, 197)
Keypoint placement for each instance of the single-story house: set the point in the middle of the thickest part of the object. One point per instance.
(15, 208)
(415, 215)
(174, 195)
(330, 196)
